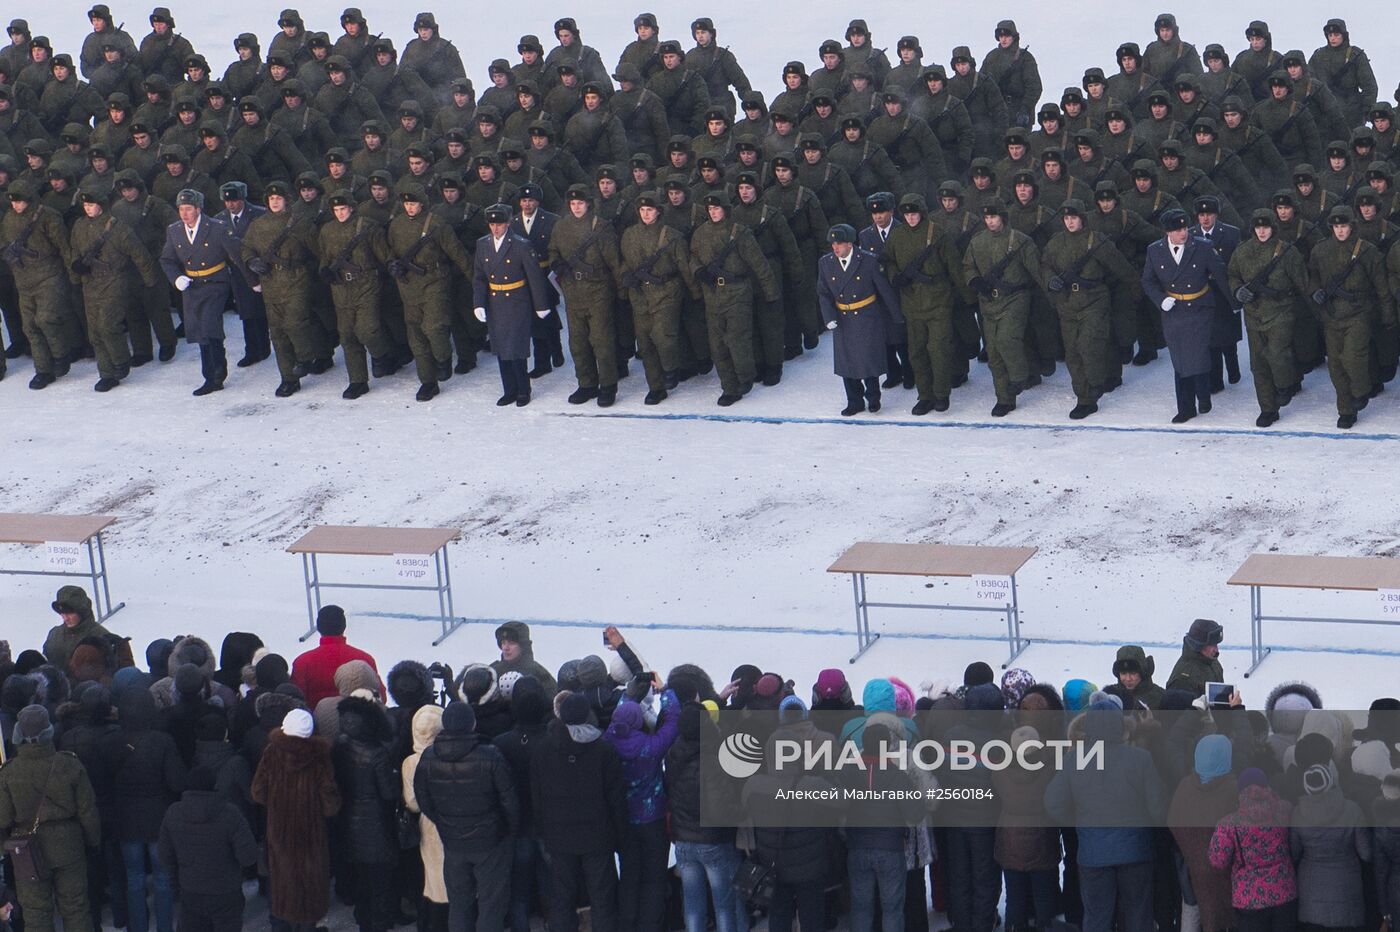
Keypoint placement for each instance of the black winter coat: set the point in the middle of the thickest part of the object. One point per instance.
(149, 775)
(517, 746)
(579, 795)
(464, 785)
(89, 742)
(206, 844)
(369, 786)
(683, 787)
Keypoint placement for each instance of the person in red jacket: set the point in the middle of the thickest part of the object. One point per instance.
(314, 671)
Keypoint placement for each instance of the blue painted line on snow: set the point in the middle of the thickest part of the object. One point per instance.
(982, 425)
(850, 632)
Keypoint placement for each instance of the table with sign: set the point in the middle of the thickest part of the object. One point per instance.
(417, 554)
(1380, 575)
(72, 546)
(992, 571)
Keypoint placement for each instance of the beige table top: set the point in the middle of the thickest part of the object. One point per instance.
(1290, 571)
(931, 560)
(373, 541)
(36, 529)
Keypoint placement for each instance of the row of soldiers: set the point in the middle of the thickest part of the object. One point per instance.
(351, 118)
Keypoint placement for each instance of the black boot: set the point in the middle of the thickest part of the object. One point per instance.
(1185, 400)
(209, 368)
(543, 366)
(893, 367)
(855, 397)
(1232, 365)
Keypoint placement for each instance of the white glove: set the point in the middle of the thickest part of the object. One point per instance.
(257, 289)
(831, 326)
(183, 282)
(480, 314)
(542, 313)
(1168, 303)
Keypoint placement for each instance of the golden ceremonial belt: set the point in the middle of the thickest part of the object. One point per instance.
(863, 302)
(204, 273)
(510, 287)
(1189, 297)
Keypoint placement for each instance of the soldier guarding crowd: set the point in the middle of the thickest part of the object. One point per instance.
(667, 211)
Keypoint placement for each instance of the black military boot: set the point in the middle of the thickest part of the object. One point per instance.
(1266, 419)
(773, 375)
(855, 397)
(41, 380)
(140, 359)
(809, 340)
(607, 396)
(167, 352)
(1081, 411)
(1002, 409)
(1232, 365)
(583, 395)
(1346, 421)
(655, 397)
(466, 362)
(444, 371)
(672, 379)
(1145, 355)
(318, 366)
(288, 388)
(106, 385)
(921, 408)
(791, 352)
(427, 391)
(355, 390)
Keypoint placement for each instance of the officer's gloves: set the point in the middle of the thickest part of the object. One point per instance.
(1168, 303)
(182, 282)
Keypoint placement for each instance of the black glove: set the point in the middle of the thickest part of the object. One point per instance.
(398, 269)
(328, 276)
(259, 266)
(980, 285)
(80, 267)
(1244, 295)
(1055, 285)
(1319, 296)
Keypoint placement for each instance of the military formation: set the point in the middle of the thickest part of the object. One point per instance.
(337, 191)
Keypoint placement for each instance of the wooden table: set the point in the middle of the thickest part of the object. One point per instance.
(83, 530)
(868, 558)
(1289, 571)
(407, 545)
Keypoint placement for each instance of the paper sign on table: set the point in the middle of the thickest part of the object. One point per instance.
(991, 590)
(1389, 603)
(412, 565)
(62, 555)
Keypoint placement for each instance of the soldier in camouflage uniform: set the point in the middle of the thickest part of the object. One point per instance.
(778, 245)
(727, 258)
(999, 268)
(280, 247)
(656, 275)
(149, 307)
(104, 252)
(420, 250)
(1077, 269)
(1269, 277)
(34, 244)
(1347, 275)
(583, 254)
(351, 252)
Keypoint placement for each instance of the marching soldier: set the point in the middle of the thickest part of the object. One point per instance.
(727, 257)
(1077, 269)
(198, 252)
(1268, 277)
(35, 245)
(352, 251)
(280, 248)
(104, 250)
(779, 247)
(656, 276)
(999, 267)
(584, 258)
(859, 305)
(420, 251)
(923, 265)
(508, 292)
(149, 309)
(238, 213)
(1347, 275)
(536, 225)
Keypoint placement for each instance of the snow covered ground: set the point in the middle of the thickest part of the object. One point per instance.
(705, 535)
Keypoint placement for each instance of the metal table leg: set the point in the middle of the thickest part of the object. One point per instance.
(450, 622)
(1257, 651)
(310, 612)
(105, 608)
(864, 639)
(1015, 643)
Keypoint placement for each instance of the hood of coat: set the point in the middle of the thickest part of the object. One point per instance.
(1287, 705)
(201, 806)
(364, 720)
(191, 649)
(410, 684)
(1261, 806)
(427, 723)
(136, 711)
(76, 598)
(878, 696)
(627, 720)
(529, 703)
(355, 674)
(593, 672)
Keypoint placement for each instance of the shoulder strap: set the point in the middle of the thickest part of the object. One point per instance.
(44, 795)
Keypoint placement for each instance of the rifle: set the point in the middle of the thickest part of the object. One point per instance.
(1334, 284)
(565, 266)
(84, 263)
(342, 259)
(1256, 284)
(404, 263)
(715, 266)
(1070, 276)
(16, 252)
(269, 255)
(994, 273)
(642, 274)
